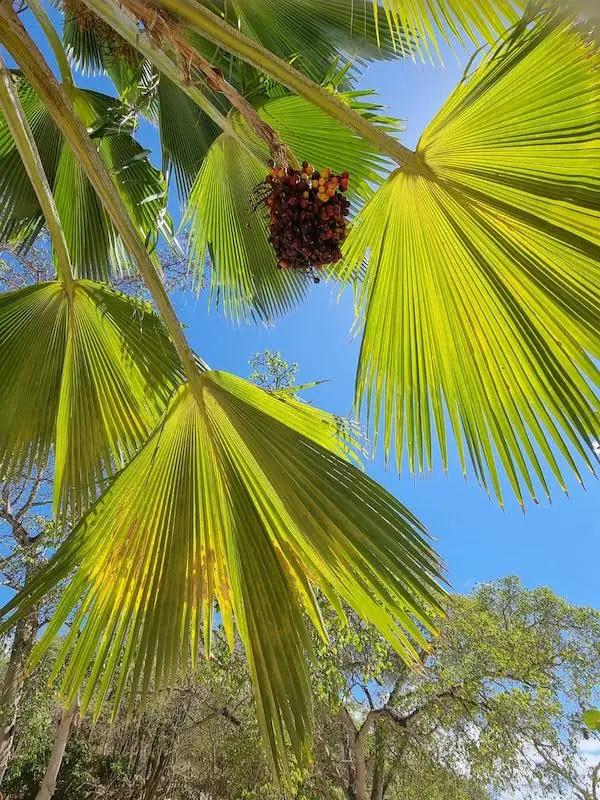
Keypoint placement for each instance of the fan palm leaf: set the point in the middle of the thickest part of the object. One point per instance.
(481, 300)
(95, 248)
(186, 134)
(228, 221)
(85, 380)
(251, 499)
(315, 33)
(473, 20)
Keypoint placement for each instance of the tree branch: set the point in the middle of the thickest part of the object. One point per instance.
(163, 28)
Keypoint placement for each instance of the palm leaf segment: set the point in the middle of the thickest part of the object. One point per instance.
(228, 222)
(249, 498)
(316, 36)
(89, 379)
(482, 298)
(186, 132)
(96, 249)
(313, 34)
(429, 21)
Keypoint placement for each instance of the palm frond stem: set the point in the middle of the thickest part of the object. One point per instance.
(213, 28)
(25, 143)
(126, 26)
(23, 49)
(165, 30)
(53, 40)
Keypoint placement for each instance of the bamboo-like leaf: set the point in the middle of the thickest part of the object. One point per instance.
(482, 294)
(252, 499)
(95, 248)
(87, 382)
(228, 220)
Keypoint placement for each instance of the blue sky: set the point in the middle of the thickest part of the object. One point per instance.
(557, 545)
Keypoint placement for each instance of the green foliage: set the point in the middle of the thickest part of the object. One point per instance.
(466, 19)
(89, 378)
(226, 215)
(591, 719)
(270, 371)
(313, 34)
(95, 248)
(480, 303)
(501, 685)
(223, 488)
(481, 295)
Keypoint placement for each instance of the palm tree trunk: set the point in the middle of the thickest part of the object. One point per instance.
(12, 685)
(48, 784)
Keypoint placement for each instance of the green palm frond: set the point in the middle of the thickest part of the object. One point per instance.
(94, 48)
(251, 499)
(95, 248)
(186, 134)
(87, 382)
(315, 33)
(229, 223)
(473, 20)
(482, 294)
(228, 228)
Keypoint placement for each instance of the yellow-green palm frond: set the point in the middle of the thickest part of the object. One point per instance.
(95, 248)
(432, 20)
(482, 295)
(250, 499)
(85, 382)
(228, 221)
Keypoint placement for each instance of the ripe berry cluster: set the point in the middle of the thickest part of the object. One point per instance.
(308, 216)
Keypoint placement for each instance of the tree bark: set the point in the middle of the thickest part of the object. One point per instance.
(360, 767)
(10, 696)
(378, 787)
(48, 784)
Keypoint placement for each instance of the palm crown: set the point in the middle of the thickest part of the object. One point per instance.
(474, 262)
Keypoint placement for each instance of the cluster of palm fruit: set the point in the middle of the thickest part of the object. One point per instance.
(308, 213)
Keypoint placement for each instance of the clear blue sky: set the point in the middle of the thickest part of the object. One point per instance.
(557, 545)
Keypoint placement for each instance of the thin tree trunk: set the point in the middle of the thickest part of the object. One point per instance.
(10, 696)
(48, 784)
(360, 767)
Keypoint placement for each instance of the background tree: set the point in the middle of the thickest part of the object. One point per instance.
(27, 537)
(496, 708)
(270, 371)
(498, 702)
